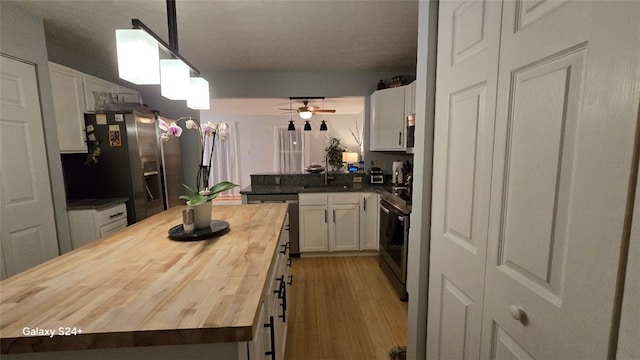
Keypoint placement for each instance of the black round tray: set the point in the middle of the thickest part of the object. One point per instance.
(217, 227)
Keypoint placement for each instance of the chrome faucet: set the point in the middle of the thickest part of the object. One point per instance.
(326, 171)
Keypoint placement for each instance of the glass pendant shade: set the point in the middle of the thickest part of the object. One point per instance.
(198, 94)
(323, 126)
(138, 57)
(306, 114)
(307, 126)
(291, 126)
(175, 83)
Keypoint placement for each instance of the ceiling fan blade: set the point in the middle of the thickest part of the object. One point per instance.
(325, 111)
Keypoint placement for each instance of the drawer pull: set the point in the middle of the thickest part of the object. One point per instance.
(290, 280)
(271, 353)
(116, 215)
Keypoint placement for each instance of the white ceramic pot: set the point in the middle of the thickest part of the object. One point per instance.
(202, 215)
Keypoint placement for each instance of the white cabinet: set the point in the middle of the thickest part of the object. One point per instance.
(369, 221)
(388, 120)
(389, 111)
(68, 104)
(410, 99)
(269, 340)
(329, 222)
(93, 85)
(91, 224)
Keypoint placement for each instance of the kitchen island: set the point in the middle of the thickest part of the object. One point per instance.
(138, 294)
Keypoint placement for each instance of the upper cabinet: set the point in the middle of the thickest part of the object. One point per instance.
(75, 93)
(389, 110)
(69, 108)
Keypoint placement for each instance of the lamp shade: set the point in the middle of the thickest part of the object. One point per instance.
(198, 94)
(323, 126)
(307, 126)
(175, 83)
(138, 57)
(291, 126)
(350, 157)
(305, 114)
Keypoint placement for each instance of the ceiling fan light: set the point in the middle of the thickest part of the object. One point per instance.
(306, 114)
(291, 126)
(175, 82)
(323, 126)
(138, 57)
(198, 94)
(307, 126)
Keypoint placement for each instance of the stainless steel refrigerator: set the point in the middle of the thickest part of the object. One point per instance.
(125, 158)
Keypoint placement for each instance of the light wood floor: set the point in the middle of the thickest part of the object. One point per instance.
(343, 308)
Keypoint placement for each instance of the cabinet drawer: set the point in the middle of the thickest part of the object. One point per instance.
(110, 215)
(313, 199)
(344, 198)
(113, 227)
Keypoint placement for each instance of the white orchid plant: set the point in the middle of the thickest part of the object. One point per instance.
(204, 193)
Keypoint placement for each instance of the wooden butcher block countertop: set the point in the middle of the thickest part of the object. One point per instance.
(137, 287)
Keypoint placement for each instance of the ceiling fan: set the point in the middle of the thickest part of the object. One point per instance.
(306, 111)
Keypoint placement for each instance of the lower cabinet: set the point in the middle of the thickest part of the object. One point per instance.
(269, 341)
(90, 224)
(338, 222)
(369, 220)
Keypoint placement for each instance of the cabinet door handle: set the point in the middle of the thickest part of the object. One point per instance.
(116, 215)
(290, 283)
(289, 263)
(364, 203)
(325, 215)
(284, 249)
(399, 137)
(271, 353)
(334, 216)
(283, 305)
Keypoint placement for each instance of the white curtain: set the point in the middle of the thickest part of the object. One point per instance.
(224, 165)
(289, 150)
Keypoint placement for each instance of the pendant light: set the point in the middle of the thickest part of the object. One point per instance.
(147, 68)
(291, 126)
(323, 125)
(138, 57)
(198, 94)
(307, 126)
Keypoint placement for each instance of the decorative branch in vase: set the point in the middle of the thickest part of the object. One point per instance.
(200, 198)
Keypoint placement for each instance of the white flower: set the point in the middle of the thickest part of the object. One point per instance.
(190, 124)
(222, 131)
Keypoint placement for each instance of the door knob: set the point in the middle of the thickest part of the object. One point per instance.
(518, 313)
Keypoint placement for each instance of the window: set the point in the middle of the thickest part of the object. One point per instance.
(289, 150)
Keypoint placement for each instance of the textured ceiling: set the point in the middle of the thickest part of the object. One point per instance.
(232, 35)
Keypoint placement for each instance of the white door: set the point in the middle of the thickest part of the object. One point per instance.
(468, 41)
(566, 118)
(27, 228)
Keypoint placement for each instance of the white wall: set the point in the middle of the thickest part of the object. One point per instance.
(256, 146)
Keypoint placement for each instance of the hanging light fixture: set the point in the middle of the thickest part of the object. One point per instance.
(183, 89)
(291, 126)
(138, 57)
(199, 94)
(323, 125)
(175, 83)
(307, 126)
(306, 115)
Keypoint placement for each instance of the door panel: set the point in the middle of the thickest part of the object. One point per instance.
(466, 80)
(564, 141)
(27, 229)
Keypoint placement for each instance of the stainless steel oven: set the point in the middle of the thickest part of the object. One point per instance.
(394, 236)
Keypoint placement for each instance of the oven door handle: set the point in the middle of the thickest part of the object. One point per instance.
(384, 208)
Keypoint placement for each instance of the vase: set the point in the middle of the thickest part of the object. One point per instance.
(202, 215)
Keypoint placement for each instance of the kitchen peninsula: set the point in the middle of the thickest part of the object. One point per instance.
(137, 294)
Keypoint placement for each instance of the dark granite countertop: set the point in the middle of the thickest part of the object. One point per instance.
(299, 189)
(94, 204)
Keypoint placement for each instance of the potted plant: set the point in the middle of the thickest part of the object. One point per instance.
(334, 153)
(200, 200)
